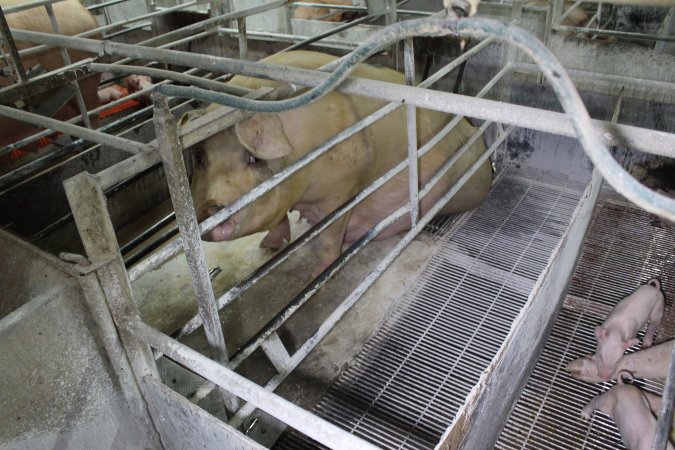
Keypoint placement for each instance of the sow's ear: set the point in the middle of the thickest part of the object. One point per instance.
(263, 135)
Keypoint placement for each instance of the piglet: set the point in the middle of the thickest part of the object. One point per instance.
(652, 362)
(619, 330)
(629, 408)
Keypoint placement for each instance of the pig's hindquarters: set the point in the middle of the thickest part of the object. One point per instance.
(389, 140)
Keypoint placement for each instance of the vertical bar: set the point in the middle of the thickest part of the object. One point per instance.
(667, 29)
(66, 61)
(665, 419)
(95, 299)
(11, 47)
(90, 211)
(413, 170)
(510, 51)
(171, 153)
(243, 39)
(277, 353)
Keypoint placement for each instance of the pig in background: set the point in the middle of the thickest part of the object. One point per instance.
(652, 362)
(618, 332)
(325, 14)
(630, 410)
(231, 163)
(73, 18)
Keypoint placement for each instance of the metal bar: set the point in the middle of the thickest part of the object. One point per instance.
(665, 420)
(624, 34)
(356, 294)
(95, 299)
(88, 204)
(171, 152)
(276, 352)
(296, 417)
(502, 382)
(306, 41)
(172, 76)
(243, 38)
(314, 286)
(103, 28)
(75, 120)
(570, 9)
(650, 141)
(66, 61)
(28, 5)
(243, 285)
(173, 248)
(74, 130)
(104, 5)
(213, 21)
(662, 86)
(411, 122)
(11, 46)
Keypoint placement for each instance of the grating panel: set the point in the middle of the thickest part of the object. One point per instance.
(409, 381)
(621, 251)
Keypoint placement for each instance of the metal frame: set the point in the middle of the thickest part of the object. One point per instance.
(85, 193)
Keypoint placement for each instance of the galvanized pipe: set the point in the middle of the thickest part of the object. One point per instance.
(315, 285)
(306, 41)
(101, 29)
(296, 417)
(123, 144)
(266, 186)
(171, 152)
(370, 279)
(665, 420)
(6, 34)
(170, 75)
(28, 5)
(411, 125)
(649, 141)
(194, 323)
(66, 61)
(621, 34)
(663, 86)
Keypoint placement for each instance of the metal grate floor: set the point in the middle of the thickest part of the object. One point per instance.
(409, 381)
(622, 251)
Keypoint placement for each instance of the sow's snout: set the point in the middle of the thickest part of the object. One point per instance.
(224, 231)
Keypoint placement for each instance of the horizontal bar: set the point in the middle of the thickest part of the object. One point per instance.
(307, 423)
(370, 279)
(650, 141)
(123, 144)
(331, 32)
(28, 5)
(625, 34)
(663, 86)
(171, 75)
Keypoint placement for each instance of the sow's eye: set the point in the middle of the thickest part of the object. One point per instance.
(250, 159)
(200, 158)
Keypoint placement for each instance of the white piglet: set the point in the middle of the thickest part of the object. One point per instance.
(629, 408)
(620, 328)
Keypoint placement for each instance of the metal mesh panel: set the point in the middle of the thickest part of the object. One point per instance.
(409, 381)
(621, 252)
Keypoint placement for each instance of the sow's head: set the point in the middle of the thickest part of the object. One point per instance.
(233, 162)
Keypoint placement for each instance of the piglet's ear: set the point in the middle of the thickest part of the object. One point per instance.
(601, 332)
(263, 135)
(631, 342)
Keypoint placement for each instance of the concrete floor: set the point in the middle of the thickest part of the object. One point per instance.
(166, 301)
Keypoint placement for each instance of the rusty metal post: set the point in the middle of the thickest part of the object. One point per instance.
(90, 211)
(171, 152)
